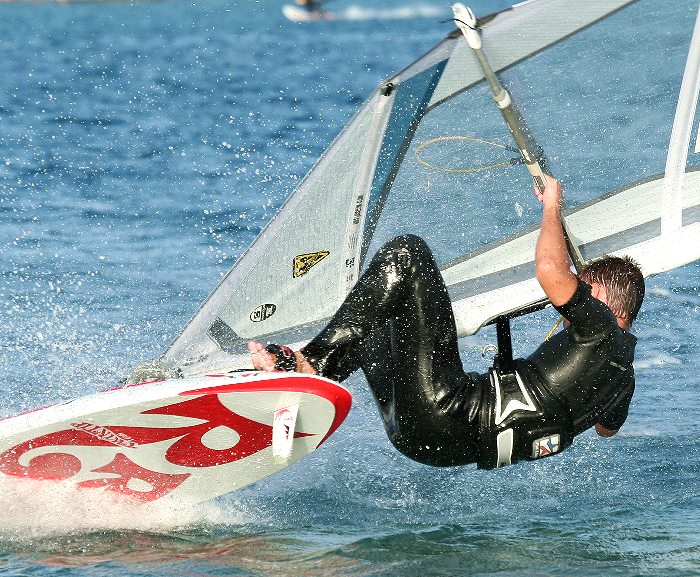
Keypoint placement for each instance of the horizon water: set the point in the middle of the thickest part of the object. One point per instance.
(142, 148)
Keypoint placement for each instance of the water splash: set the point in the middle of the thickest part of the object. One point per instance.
(41, 509)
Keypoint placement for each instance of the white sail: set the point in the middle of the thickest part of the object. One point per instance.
(609, 89)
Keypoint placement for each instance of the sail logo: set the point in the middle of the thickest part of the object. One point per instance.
(358, 209)
(303, 263)
(546, 446)
(263, 312)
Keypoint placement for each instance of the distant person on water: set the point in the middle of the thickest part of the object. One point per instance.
(310, 5)
(397, 325)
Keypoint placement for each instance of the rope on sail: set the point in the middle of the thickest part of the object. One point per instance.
(421, 147)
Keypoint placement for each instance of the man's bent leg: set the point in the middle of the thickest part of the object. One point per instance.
(374, 299)
(397, 325)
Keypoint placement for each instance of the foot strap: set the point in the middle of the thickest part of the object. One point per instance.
(286, 361)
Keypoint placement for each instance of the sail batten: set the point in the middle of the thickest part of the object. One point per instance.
(680, 136)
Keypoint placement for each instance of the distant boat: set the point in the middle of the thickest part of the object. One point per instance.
(297, 14)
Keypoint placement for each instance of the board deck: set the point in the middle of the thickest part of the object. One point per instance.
(188, 440)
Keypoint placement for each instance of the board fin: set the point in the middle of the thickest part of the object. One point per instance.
(283, 426)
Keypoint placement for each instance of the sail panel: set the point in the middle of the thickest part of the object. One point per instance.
(411, 100)
(517, 33)
(311, 262)
(297, 270)
(429, 154)
(304, 263)
(599, 135)
(624, 222)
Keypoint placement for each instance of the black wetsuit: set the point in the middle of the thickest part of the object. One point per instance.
(397, 325)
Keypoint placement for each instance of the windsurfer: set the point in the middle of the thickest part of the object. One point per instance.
(310, 5)
(397, 325)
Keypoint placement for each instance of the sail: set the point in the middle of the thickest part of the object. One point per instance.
(609, 89)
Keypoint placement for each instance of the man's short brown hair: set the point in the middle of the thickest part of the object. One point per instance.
(623, 281)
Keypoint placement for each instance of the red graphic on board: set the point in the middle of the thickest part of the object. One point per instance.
(161, 484)
(187, 451)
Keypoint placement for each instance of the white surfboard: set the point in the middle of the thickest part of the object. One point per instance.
(183, 439)
(296, 14)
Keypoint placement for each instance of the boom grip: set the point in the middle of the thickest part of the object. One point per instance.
(467, 23)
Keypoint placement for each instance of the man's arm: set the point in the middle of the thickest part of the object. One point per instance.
(604, 431)
(552, 265)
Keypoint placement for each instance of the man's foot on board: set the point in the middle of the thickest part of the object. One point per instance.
(278, 358)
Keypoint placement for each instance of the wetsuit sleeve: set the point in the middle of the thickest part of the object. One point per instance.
(589, 317)
(616, 415)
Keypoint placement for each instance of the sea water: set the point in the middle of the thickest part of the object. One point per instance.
(142, 148)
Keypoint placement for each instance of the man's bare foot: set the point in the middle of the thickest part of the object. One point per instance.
(264, 360)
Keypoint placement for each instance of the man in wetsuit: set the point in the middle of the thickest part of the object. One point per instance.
(397, 325)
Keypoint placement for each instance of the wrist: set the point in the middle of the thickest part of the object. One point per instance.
(553, 208)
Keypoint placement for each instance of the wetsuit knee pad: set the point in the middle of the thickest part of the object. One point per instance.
(407, 245)
(411, 242)
(521, 421)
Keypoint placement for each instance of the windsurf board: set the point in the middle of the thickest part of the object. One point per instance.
(188, 440)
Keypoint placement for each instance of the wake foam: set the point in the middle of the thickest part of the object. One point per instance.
(402, 13)
(38, 509)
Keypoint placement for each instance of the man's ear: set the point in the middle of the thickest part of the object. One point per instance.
(598, 291)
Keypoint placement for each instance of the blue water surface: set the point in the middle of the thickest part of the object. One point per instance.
(142, 148)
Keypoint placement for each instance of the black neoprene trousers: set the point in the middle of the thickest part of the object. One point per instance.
(397, 325)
